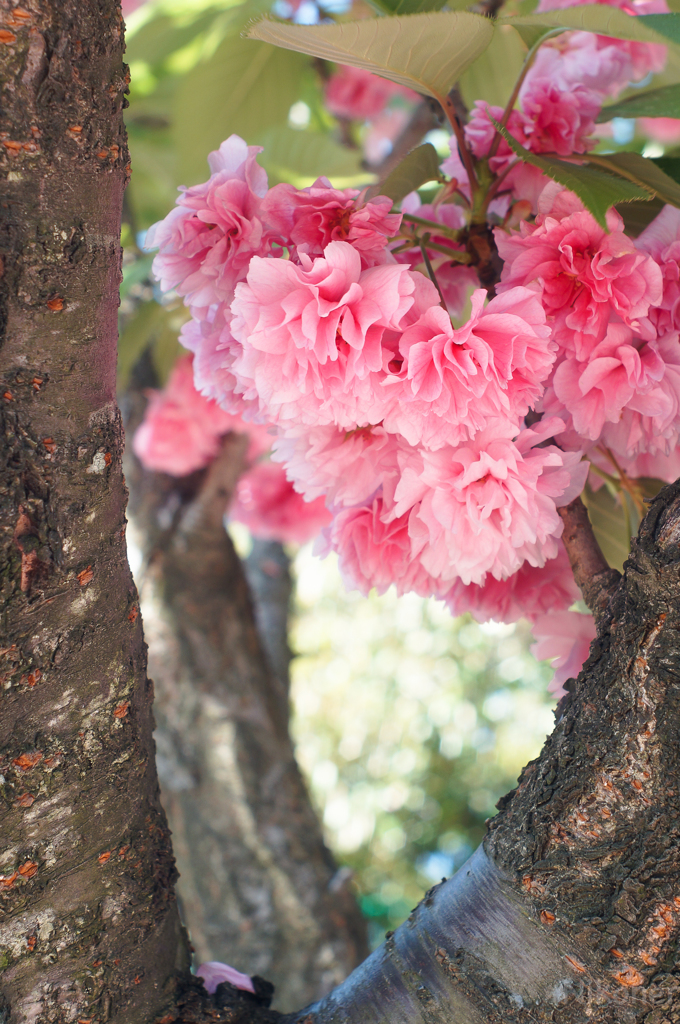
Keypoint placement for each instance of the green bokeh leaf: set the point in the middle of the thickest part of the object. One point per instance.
(421, 165)
(597, 189)
(290, 154)
(654, 103)
(408, 6)
(600, 18)
(641, 171)
(667, 25)
(494, 73)
(245, 88)
(426, 52)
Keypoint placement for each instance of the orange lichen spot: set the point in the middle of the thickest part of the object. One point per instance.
(103, 857)
(102, 154)
(28, 869)
(30, 147)
(122, 709)
(168, 1019)
(19, 14)
(617, 953)
(576, 964)
(138, 980)
(8, 880)
(547, 917)
(123, 850)
(661, 930)
(31, 942)
(107, 458)
(115, 150)
(97, 963)
(629, 977)
(636, 784)
(605, 812)
(11, 145)
(133, 614)
(8, 396)
(33, 677)
(37, 383)
(85, 1020)
(117, 963)
(48, 442)
(55, 304)
(25, 800)
(76, 129)
(648, 959)
(85, 576)
(6, 36)
(27, 761)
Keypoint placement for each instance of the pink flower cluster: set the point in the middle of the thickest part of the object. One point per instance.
(359, 95)
(182, 432)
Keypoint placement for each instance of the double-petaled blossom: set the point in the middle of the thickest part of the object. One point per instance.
(661, 239)
(529, 593)
(451, 383)
(560, 121)
(310, 218)
(266, 502)
(181, 430)
(563, 637)
(206, 243)
(490, 504)
(586, 275)
(312, 334)
(360, 95)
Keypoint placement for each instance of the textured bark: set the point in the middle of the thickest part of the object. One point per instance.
(258, 887)
(570, 911)
(90, 929)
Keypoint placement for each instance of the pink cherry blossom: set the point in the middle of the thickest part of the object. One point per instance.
(347, 466)
(214, 973)
(560, 121)
(359, 95)
(374, 553)
(267, 504)
(600, 65)
(312, 334)
(453, 382)
(662, 129)
(621, 372)
(661, 239)
(311, 218)
(586, 275)
(181, 430)
(206, 243)
(488, 505)
(378, 138)
(565, 638)
(528, 593)
(480, 133)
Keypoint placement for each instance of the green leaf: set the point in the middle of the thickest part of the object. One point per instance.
(609, 525)
(654, 103)
(670, 165)
(637, 216)
(408, 6)
(600, 18)
(246, 88)
(493, 75)
(597, 189)
(667, 25)
(640, 171)
(290, 154)
(421, 165)
(139, 333)
(134, 273)
(426, 52)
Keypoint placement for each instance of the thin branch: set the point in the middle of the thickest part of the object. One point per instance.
(433, 277)
(596, 580)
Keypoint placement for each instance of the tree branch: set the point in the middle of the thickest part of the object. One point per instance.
(596, 580)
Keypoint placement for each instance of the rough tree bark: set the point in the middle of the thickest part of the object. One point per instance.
(90, 928)
(258, 887)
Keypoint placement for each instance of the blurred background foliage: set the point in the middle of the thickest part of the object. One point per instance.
(409, 725)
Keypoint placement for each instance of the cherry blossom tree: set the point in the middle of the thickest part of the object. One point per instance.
(441, 375)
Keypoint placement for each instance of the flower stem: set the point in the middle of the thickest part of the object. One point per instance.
(426, 260)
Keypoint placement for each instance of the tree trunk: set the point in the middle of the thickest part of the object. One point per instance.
(90, 928)
(259, 889)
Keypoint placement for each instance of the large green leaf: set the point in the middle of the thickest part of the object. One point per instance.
(670, 165)
(426, 52)
(245, 87)
(408, 6)
(640, 171)
(667, 25)
(609, 525)
(421, 165)
(654, 103)
(290, 154)
(600, 18)
(597, 189)
(494, 73)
